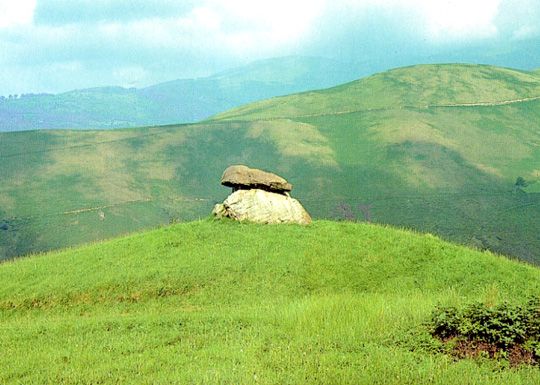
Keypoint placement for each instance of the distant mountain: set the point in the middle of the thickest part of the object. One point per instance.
(191, 100)
(178, 101)
(448, 149)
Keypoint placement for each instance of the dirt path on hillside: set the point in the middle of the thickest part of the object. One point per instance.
(475, 104)
(487, 104)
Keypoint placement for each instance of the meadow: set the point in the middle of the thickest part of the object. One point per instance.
(220, 302)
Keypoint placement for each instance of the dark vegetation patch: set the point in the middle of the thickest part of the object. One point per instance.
(104, 295)
(516, 355)
(504, 332)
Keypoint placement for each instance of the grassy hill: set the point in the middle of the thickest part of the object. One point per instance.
(417, 87)
(183, 100)
(221, 302)
(437, 148)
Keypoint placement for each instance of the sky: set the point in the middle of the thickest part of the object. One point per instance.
(59, 45)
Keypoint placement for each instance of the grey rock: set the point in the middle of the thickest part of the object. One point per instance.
(241, 177)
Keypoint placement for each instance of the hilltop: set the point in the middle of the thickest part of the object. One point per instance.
(416, 87)
(437, 148)
(177, 101)
(222, 302)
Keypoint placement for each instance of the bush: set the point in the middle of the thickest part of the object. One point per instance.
(521, 182)
(504, 327)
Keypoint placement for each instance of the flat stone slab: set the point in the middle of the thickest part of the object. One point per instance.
(262, 207)
(241, 177)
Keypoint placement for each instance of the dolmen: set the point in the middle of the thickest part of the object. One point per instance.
(259, 196)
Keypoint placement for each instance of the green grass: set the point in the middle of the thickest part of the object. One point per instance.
(409, 87)
(445, 170)
(222, 302)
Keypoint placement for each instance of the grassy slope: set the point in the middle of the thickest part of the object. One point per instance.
(423, 167)
(224, 302)
(409, 87)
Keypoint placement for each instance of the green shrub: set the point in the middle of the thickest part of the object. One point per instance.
(503, 327)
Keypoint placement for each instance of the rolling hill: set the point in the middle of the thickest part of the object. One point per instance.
(184, 100)
(437, 148)
(222, 302)
(417, 87)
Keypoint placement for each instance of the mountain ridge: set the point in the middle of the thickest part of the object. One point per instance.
(378, 82)
(172, 102)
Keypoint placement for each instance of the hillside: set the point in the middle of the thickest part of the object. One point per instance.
(434, 148)
(220, 302)
(183, 100)
(417, 87)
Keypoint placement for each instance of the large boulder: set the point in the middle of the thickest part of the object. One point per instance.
(241, 177)
(262, 207)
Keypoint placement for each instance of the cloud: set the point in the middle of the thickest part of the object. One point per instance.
(437, 21)
(140, 42)
(252, 25)
(519, 19)
(526, 31)
(60, 12)
(460, 19)
(235, 27)
(14, 13)
(239, 24)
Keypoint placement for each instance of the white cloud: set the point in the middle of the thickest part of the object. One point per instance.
(238, 27)
(144, 41)
(460, 19)
(249, 24)
(526, 31)
(436, 20)
(519, 18)
(16, 12)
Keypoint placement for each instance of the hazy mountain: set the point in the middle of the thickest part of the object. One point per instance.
(191, 100)
(185, 100)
